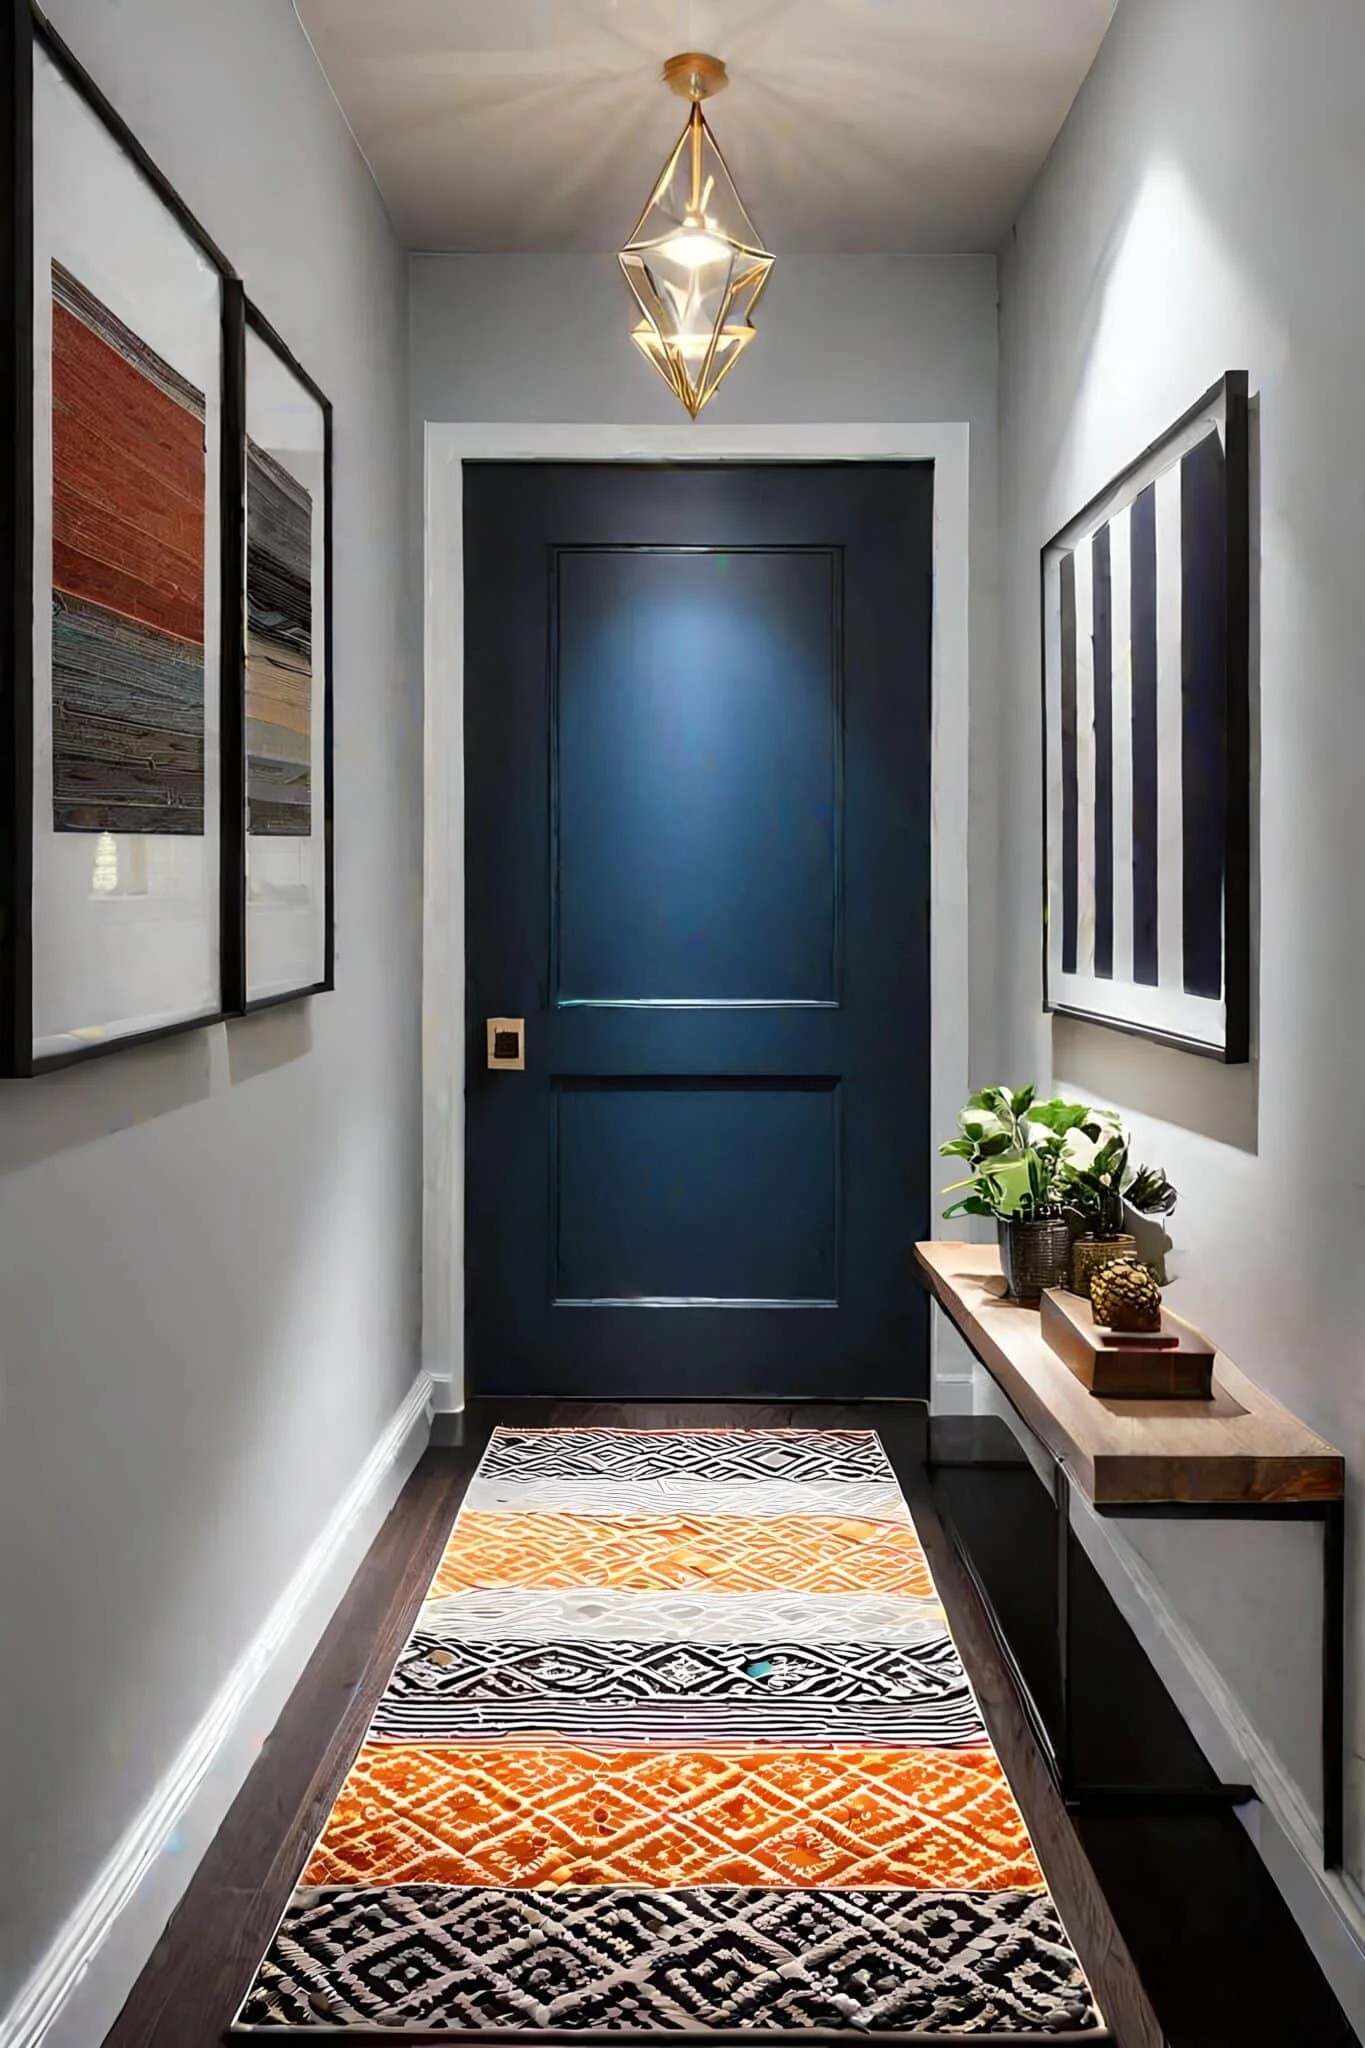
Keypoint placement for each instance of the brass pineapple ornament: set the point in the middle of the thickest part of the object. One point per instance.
(1125, 1296)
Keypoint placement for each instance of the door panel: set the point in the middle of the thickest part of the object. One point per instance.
(717, 1190)
(697, 773)
(697, 735)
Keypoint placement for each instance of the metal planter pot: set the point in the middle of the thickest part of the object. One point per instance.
(1034, 1255)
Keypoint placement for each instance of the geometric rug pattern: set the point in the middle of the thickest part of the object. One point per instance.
(646, 1765)
(649, 1554)
(880, 1694)
(933, 1819)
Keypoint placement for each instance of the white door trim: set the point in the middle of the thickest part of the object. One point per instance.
(448, 448)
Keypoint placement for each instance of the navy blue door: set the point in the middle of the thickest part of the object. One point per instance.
(697, 846)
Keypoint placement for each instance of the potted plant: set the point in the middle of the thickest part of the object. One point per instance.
(1013, 1154)
(1100, 1184)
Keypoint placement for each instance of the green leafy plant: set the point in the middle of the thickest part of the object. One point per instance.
(1028, 1160)
(1101, 1180)
(1013, 1156)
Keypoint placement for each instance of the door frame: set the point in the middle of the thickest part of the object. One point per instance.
(945, 444)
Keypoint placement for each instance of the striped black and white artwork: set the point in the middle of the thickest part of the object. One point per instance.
(1146, 618)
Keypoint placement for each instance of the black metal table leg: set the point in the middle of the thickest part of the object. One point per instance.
(1061, 1497)
(1333, 1682)
(1177, 1798)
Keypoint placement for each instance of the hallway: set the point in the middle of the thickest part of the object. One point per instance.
(679, 751)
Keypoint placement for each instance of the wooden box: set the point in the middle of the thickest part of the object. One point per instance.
(1174, 1363)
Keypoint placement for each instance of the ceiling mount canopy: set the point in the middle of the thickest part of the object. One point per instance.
(694, 264)
(695, 76)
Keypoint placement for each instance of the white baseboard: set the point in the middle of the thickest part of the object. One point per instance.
(952, 1371)
(952, 1396)
(1328, 1906)
(78, 1989)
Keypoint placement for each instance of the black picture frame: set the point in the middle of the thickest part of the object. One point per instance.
(23, 30)
(1225, 405)
(256, 323)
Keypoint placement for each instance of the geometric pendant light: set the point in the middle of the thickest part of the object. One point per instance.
(695, 264)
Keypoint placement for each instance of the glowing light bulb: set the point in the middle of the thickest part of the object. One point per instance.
(694, 246)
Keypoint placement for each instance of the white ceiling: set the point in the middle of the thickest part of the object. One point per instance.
(850, 125)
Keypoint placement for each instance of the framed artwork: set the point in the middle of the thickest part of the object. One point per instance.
(1147, 750)
(115, 613)
(286, 739)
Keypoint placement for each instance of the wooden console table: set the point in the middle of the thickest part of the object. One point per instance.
(1237, 1455)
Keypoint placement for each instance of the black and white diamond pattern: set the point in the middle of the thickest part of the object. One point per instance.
(426, 1955)
(814, 1454)
(881, 1694)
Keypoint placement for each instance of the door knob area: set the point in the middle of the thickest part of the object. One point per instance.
(507, 1044)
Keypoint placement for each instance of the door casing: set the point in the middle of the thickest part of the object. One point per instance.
(448, 447)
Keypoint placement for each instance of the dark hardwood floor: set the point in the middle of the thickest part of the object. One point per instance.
(199, 1972)
(1181, 1930)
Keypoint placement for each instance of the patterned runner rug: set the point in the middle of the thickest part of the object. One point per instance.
(681, 1740)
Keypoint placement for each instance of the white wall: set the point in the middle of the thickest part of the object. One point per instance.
(841, 339)
(1201, 212)
(208, 1249)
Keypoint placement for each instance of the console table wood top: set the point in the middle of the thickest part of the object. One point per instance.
(1239, 1446)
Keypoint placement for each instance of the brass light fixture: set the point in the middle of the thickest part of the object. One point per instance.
(694, 263)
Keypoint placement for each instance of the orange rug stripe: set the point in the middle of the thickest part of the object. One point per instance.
(935, 1820)
(790, 1553)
